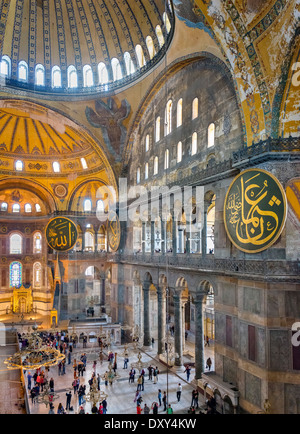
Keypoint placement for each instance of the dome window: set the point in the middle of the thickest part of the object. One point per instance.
(160, 36)
(38, 208)
(103, 74)
(150, 46)
(72, 77)
(27, 207)
(88, 79)
(140, 56)
(116, 68)
(19, 165)
(40, 75)
(4, 206)
(5, 66)
(56, 76)
(23, 71)
(56, 167)
(130, 68)
(87, 206)
(16, 208)
(84, 163)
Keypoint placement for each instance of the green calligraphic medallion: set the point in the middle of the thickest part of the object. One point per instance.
(255, 210)
(61, 234)
(113, 231)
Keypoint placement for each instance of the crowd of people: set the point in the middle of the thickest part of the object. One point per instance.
(41, 380)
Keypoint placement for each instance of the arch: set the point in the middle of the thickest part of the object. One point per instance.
(37, 275)
(157, 129)
(195, 108)
(37, 242)
(168, 117)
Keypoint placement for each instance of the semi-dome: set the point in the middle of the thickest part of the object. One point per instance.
(79, 47)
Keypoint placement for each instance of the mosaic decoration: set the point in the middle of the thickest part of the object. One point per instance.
(61, 234)
(60, 190)
(109, 117)
(15, 275)
(255, 211)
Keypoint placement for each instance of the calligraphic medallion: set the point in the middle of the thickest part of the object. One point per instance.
(113, 231)
(255, 210)
(61, 234)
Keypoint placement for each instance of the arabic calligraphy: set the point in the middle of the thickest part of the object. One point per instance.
(113, 232)
(61, 234)
(254, 210)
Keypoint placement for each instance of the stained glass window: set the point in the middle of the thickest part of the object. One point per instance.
(15, 275)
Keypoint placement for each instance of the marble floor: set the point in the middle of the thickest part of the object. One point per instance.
(121, 394)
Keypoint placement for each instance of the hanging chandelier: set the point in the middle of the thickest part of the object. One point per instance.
(94, 395)
(139, 365)
(35, 355)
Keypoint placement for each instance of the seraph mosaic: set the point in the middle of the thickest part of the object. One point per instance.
(110, 117)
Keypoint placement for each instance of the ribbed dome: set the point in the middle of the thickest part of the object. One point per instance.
(78, 46)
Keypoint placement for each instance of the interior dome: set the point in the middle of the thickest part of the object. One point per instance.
(87, 47)
(38, 142)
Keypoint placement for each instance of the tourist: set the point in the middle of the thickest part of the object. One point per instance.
(60, 409)
(126, 360)
(159, 397)
(154, 407)
(170, 409)
(104, 404)
(208, 363)
(150, 372)
(188, 372)
(138, 409)
(69, 397)
(146, 409)
(164, 399)
(29, 378)
(155, 375)
(51, 384)
(139, 383)
(179, 390)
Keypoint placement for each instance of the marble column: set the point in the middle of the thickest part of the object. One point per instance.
(178, 329)
(199, 337)
(147, 337)
(161, 319)
(152, 237)
(143, 237)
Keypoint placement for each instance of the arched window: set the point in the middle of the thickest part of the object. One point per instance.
(116, 69)
(157, 129)
(89, 241)
(40, 75)
(15, 275)
(87, 205)
(155, 168)
(16, 207)
(179, 152)
(179, 113)
(146, 170)
(15, 244)
(130, 68)
(37, 243)
(72, 77)
(160, 36)
(56, 167)
(100, 206)
(150, 46)
(38, 207)
(4, 206)
(28, 207)
(5, 66)
(56, 76)
(168, 117)
(102, 73)
(22, 71)
(138, 175)
(84, 163)
(88, 79)
(211, 135)
(195, 108)
(37, 275)
(19, 165)
(140, 56)
(194, 143)
(167, 158)
(166, 22)
(147, 143)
